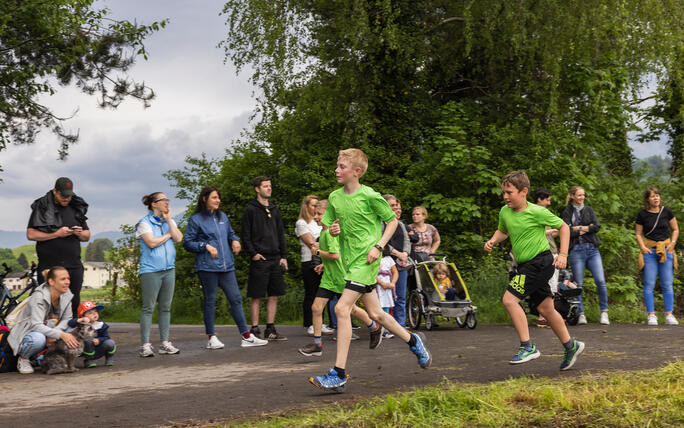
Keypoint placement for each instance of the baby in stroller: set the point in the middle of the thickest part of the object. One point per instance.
(445, 291)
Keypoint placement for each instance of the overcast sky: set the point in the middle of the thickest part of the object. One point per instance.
(201, 106)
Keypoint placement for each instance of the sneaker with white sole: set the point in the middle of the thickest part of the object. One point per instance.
(671, 320)
(311, 350)
(604, 318)
(168, 348)
(581, 320)
(354, 336)
(652, 319)
(24, 365)
(571, 355)
(525, 354)
(327, 330)
(310, 330)
(214, 343)
(253, 341)
(146, 351)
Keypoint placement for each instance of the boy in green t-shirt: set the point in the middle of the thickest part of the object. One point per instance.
(525, 224)
(332, 285)
(355, 213)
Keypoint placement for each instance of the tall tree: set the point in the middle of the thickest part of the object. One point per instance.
(44, 44)
(23, 261)
(95, 251)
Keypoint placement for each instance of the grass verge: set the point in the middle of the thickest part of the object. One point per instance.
(650, 398)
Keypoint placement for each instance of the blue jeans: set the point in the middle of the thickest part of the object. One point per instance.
(400, 301)
(587, 256)
(652, 269)
(331, 309)
(211, 281)
(31, 344)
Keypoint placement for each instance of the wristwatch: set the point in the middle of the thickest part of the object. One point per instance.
(379, 247)
(317, 252)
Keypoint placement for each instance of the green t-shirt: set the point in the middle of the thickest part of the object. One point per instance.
(527, 230)
(333, 273)
(360, 215)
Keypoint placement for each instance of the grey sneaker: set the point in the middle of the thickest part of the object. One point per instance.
(311, 350)
(272, 334)
(146, 351)
(354, 336)
(168, 348)
(24, 366)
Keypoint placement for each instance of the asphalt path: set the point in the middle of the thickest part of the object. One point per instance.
(202, 386)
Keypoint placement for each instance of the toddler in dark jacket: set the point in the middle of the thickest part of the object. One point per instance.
(100, 345)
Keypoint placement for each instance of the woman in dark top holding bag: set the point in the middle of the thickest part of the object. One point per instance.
(657, 232)
(584, 243)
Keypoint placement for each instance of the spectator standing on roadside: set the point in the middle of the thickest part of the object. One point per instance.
(428, 237)
(400, 248)
(58, 225)
(263, 237)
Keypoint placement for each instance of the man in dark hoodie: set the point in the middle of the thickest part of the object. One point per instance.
(263, 239)
(58, 225)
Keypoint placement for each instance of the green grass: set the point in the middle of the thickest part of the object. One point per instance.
(652, 398)
(29, 251)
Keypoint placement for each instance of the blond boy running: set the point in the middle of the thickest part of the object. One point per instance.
(355, 213)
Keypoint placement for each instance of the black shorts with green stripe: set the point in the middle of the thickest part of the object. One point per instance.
(532, 279)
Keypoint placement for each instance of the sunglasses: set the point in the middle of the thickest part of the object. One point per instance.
(162, 200)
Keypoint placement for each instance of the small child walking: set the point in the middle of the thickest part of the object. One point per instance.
(388, 275)
(525, 224)
(100, 345)
(355, 213)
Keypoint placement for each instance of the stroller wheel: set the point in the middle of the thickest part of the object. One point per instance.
(471, 320)
(573, 315)
(430, 321)
(461, 321)
(415, 310)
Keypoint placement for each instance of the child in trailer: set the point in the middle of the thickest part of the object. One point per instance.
(355, 213)
(388, 275)
(443, 282)
(525, 224)
(332, 284)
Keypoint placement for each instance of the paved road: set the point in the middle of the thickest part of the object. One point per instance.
(203, 385)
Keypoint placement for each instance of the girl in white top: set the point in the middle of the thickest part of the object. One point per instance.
(388, 275)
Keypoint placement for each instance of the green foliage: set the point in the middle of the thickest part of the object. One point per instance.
(43, 44)
(23, 262)
(125, 257)
(96, 250)
(6, 256)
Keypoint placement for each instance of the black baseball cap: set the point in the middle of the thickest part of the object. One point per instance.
(64, 186)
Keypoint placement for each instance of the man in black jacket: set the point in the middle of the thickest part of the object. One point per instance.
(263, 239)
(58, 225)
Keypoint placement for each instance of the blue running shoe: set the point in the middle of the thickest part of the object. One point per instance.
(571, 355)
(421, 351)
(330, 381)
(525, 354)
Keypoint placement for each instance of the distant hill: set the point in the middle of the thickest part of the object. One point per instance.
(10, 239)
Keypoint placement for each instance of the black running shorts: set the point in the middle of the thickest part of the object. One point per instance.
(532, 279)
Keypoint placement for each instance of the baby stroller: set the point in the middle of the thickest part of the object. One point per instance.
(8, 302)
(425, 301)
(566, 296)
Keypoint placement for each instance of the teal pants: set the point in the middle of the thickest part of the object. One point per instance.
(157, 288)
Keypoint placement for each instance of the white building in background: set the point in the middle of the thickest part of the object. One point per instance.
(96, 274)
(14, 283)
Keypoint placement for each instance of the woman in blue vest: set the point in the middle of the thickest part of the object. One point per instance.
(210, 236)
(157, 232)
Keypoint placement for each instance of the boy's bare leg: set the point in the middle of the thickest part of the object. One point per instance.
(254, 310)
(361, 315)
(271, 307)
(517, 314)
(555, 320)
(317, 310)
(370, 300)
(344, 329)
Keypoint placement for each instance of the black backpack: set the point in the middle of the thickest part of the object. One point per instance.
(8, 362)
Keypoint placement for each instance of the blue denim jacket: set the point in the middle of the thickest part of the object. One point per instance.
(162, 257)
(205, 228)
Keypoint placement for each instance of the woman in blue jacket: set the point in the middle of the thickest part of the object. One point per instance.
(157, 232)
(210, 236)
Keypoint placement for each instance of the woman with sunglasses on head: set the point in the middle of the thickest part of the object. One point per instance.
(157, 232)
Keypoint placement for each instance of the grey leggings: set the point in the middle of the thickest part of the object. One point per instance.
(157, 287)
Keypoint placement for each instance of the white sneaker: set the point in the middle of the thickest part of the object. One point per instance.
(327, 330)
(310, 330)
(652, 319)
(581, 320)
(671, 320)
(214, 343)
(253, 341)
(168, 348)
(24, 365)
(604, 318)
(146, 350)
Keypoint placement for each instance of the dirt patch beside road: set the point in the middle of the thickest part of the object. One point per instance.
(235, 382)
